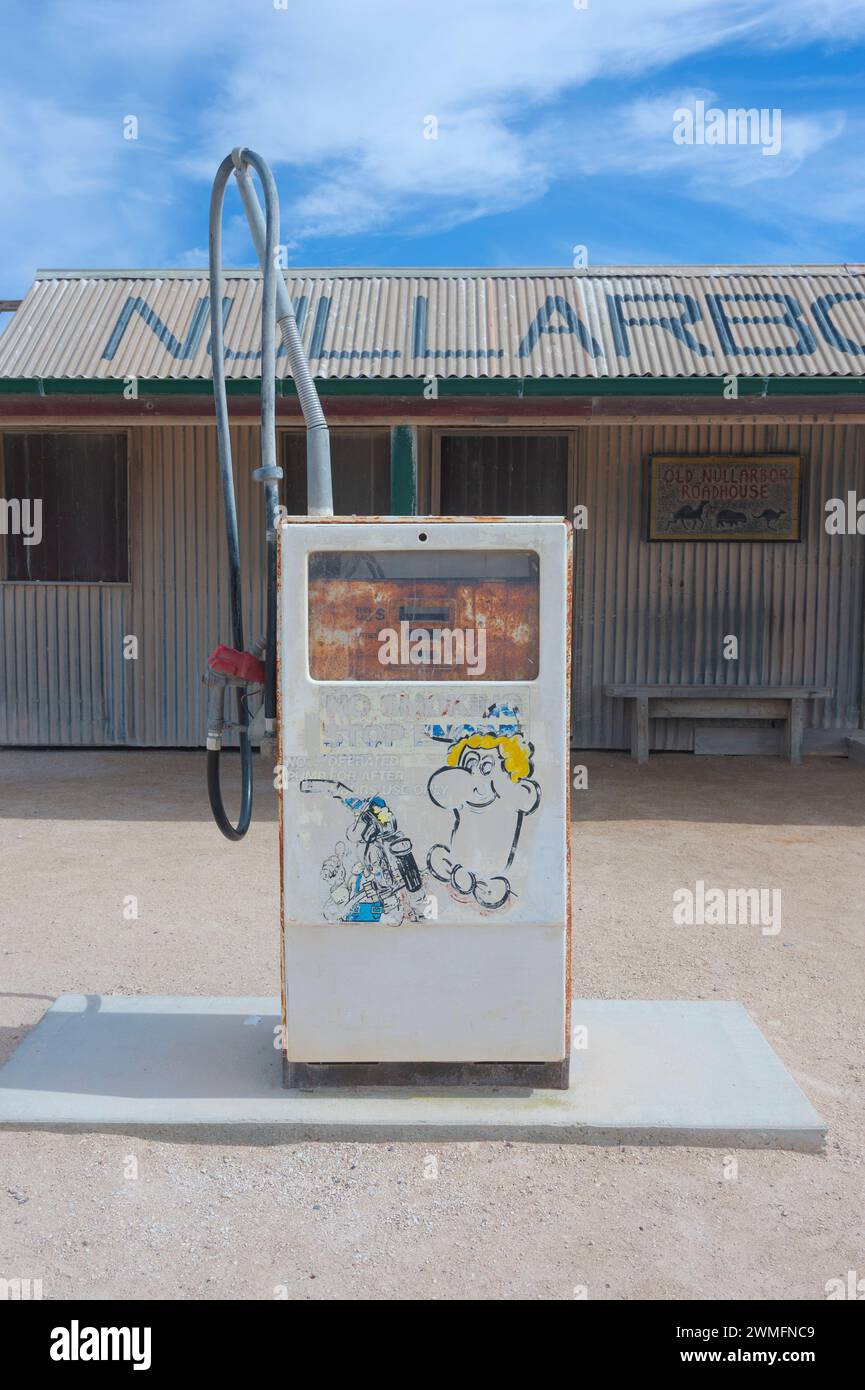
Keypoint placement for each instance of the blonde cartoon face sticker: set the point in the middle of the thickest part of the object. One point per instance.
(486, 785)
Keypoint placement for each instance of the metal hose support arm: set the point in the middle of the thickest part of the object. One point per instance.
(277, 310)
(266, 239)
(318, 474)
(269, 472)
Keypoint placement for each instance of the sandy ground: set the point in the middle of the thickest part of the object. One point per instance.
(81, 831)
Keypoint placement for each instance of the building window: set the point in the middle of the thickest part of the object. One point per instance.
(65, 508)
(360, 462)
(504, 475)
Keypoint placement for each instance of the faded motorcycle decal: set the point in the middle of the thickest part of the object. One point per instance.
(372, 876)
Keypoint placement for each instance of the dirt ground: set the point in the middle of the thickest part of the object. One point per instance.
(80, 831)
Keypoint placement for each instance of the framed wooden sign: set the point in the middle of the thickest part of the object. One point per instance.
(725, 497)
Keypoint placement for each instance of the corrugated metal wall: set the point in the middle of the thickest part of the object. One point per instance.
(643, 611)
(658, 612)
(63, 676)
(180, 574)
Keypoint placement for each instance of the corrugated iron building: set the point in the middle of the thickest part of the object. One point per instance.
(452, 391)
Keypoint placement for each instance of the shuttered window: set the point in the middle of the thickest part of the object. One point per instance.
(361, 472)
(64, 511)
(504, 475)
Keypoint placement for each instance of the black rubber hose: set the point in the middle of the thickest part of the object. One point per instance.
(268, 474)
(214, 789)
(271, 504)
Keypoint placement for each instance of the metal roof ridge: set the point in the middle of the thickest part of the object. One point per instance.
(457, 272)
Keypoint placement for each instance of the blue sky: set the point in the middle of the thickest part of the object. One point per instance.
(554, 130)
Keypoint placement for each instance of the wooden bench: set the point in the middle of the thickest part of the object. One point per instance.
(785, 702)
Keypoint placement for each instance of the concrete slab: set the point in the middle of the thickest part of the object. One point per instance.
(651, 1072)
(855, 745)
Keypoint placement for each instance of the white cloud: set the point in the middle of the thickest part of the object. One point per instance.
(783, 189)
(340, 90)
(337, 92)
(61, 204)
(56, 152)
(193, 258)
(638, 138)
(353, 93)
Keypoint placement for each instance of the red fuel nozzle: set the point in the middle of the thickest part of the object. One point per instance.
(243, 666)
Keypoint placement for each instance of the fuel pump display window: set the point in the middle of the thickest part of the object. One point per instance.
(434, 615)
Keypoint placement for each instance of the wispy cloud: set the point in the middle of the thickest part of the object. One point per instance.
(337, 96)
(638, 138)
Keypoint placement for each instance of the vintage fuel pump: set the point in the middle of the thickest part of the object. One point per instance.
(417, 672)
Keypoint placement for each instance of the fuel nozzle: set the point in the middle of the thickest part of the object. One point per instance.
(227, 667)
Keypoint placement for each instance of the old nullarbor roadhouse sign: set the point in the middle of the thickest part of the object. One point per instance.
(750, 497)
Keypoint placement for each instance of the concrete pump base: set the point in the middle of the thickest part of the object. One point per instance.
(642, 1072)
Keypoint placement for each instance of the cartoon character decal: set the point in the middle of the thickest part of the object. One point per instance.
(486, 784)
(487, 788)
(372, 876)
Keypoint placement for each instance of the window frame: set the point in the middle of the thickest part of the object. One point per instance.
(124, 432)
(439, 432)
(285, 432)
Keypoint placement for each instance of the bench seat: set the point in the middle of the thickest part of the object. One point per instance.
(785, 702)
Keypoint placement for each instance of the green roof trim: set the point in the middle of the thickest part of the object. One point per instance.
(511, 387)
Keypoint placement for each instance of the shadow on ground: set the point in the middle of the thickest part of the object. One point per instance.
(732, 790)
(159, 785)
(123, 784)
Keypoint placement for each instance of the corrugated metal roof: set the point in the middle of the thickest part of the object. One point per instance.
(642, 321)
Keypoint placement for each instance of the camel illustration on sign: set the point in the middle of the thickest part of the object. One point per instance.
(694, 515)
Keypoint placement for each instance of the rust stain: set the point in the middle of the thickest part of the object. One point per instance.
(419, 521)
(280, 808)
(347, 618)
